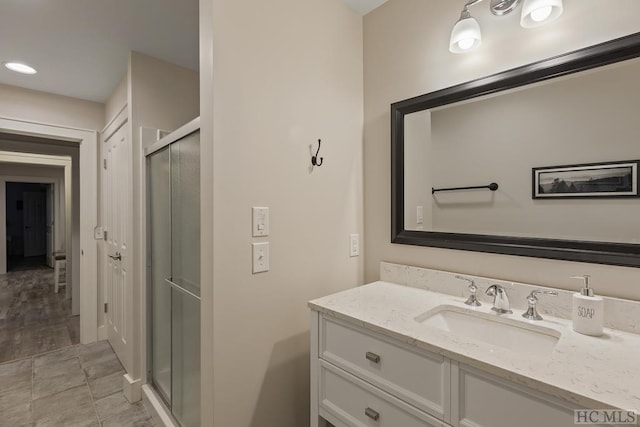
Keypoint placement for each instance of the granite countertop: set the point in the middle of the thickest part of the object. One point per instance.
(593, 372)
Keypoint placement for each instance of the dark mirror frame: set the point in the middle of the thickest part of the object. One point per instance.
(623, 254)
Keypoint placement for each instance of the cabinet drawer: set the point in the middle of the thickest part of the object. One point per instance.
(350, 402)
(487, 401)
(418, 377)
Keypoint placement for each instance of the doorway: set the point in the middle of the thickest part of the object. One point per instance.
(30, 229)
(31, 143)
(33, 317)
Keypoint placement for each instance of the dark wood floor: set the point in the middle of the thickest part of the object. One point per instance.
(33, 319)
(16, 263)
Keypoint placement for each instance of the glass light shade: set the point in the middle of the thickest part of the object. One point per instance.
(540, 12)
(465, 36)
(19, 67)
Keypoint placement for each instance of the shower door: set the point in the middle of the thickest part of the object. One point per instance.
(173, 207)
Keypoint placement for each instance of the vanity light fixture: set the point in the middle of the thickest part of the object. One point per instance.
(20, 67)
(466, 35)
(539, 12)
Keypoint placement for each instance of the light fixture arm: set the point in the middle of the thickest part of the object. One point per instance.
(497, 7)
(471, 3)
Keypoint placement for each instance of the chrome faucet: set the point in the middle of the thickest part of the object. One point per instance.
(532, 299)
(472, 300)
(500, 299)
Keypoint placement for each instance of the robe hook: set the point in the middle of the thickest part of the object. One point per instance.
(314, 159)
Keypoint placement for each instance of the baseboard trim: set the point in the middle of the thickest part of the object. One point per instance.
(131, 388)
(102, 333)
(159, 412)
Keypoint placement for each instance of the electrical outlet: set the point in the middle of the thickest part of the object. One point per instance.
(354, 245)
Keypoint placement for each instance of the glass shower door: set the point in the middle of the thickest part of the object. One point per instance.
(160, 268)
(185, 273)
(174, 276)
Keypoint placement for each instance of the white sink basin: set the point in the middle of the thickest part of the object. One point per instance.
(518, 336)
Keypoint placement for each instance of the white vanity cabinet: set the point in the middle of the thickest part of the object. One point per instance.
(361, 378)
(366, 379)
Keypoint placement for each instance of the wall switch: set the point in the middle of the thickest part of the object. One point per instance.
(260, 222)
(260, 257)
(98, 233)
(419, 215)
(354, 245)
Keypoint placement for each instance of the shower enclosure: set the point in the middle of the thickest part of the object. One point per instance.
(173, 271)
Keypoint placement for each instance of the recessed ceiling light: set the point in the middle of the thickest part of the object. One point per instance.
(19, 67)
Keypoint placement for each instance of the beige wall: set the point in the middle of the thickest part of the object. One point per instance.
(417, 170)
(41, 107)
(117, 100)
(406, 54)
(162, 95)
(286, 73)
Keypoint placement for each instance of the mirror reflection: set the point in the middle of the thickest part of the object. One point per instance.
(589, 118)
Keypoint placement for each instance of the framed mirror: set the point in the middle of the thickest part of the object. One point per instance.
(539, 161)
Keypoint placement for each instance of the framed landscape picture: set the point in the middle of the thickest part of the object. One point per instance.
(611, 179)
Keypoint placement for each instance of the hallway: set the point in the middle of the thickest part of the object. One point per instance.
(34, 319)
(77, 386)
(46, 377)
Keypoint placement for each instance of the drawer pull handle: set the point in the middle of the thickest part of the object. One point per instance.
(374, 415)
(373, 357)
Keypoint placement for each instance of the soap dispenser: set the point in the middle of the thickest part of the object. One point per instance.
(588, 315)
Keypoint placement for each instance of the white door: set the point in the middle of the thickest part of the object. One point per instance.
(117, 190)
(34, 222)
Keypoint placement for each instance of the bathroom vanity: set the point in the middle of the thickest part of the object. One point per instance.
(413, 354)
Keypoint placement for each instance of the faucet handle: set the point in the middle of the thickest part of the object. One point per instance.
(471, 282)
(472, 300)
(534, 294)
(532, 299)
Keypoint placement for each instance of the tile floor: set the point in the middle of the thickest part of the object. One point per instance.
(76, 386)
(34, 319)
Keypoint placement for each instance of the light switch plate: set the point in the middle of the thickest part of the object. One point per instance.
(260, 257)
(260, 221)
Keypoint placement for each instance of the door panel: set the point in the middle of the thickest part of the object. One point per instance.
(118, 217)
(185, 338)
(173, 177)
(34, 221)
(185, 213)
(159, 199)
(185, 271)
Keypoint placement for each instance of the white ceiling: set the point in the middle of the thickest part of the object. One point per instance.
(364, 6)
(80, 47)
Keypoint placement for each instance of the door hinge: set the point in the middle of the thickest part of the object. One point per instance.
(104, 163)
(106, 307)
